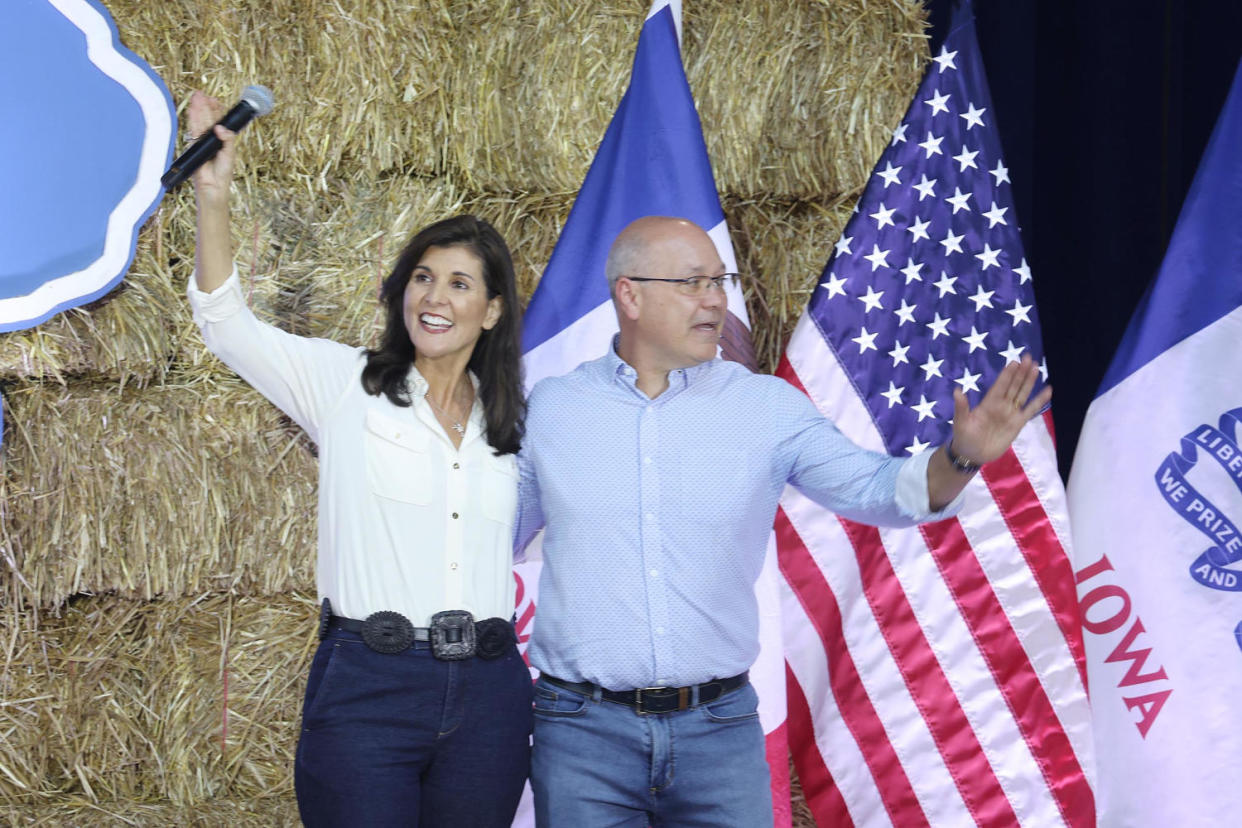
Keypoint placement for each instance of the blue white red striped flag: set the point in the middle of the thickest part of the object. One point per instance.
(936, 675)
(652, 161)
(1156, 500)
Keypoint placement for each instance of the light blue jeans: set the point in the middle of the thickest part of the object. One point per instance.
(602, 765)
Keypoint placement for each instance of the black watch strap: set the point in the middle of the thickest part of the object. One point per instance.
(960, 463)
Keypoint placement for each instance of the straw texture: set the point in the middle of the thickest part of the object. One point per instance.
(157, 517)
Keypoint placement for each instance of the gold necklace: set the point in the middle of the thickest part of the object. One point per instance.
(456, 425)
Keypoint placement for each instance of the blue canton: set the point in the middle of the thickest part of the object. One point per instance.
(928, 287)
(658, 513)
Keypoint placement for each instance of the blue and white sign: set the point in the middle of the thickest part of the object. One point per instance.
(88, 129)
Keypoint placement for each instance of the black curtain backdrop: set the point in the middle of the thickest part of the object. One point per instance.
(1104, 109)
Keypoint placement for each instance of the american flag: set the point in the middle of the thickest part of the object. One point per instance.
(936, 675)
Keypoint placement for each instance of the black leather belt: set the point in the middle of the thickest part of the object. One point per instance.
(454, 634)
(354, 625)
(657, 699)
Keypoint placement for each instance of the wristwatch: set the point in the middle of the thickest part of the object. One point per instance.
(958, 462)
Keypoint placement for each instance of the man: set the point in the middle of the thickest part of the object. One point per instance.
(657, 470)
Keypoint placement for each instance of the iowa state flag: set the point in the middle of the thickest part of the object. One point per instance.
(1156, 508)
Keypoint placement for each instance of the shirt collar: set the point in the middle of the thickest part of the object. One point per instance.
(678, 379)
(417, 386)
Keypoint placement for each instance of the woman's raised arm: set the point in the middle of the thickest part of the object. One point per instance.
(214, 247)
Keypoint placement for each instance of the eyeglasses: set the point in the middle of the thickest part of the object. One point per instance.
(694, 285)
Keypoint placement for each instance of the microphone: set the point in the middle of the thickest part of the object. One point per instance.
(256, 100)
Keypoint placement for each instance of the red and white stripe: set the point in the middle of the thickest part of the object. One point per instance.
(936, 675)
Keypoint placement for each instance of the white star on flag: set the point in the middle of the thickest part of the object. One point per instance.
(996, 215)
(872, 299)
(944, 60)
(918, 230)
(865, 340)
(911, 271)
(938, 103)
(889, 174)
(893, 394)
(924, 408)
(883, 217)
(988, 257)
(959, 200)
(877, 257)
(932, 144)
(973, 117)
(834, 285)
(927, 189)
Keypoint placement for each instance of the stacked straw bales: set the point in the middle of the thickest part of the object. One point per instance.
(157, 534)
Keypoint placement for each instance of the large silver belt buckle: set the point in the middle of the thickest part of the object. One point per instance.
(452, 635)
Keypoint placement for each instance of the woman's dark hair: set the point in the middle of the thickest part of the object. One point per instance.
(496, 359)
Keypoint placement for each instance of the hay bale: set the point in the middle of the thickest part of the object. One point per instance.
(129, 336)
(781, 251)
(176, 701)
(269, 812)
(171, 490)
(359, 86)
(798, 99)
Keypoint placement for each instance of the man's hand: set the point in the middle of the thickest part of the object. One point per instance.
(985, 432)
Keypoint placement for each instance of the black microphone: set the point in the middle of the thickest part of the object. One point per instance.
(255, 101)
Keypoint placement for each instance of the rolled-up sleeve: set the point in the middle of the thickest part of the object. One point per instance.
(865, 486)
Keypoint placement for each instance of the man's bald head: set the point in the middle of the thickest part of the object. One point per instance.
(636, 250)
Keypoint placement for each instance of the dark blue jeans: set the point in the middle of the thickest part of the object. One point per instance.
(406, 740)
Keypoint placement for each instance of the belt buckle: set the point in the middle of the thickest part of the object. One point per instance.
(683, 700)
(387, 632)
(452, 635)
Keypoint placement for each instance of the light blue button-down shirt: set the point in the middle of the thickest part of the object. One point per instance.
(657, 513)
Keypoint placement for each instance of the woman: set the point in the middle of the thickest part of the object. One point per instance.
(418, 705)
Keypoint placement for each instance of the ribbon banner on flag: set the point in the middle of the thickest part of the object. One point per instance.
(936, 675)
(1156, 500)
(652, 161)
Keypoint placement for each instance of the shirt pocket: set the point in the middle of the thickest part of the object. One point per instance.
(499, 490)
(398, 465)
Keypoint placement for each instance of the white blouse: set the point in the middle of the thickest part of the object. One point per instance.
(407, 522)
